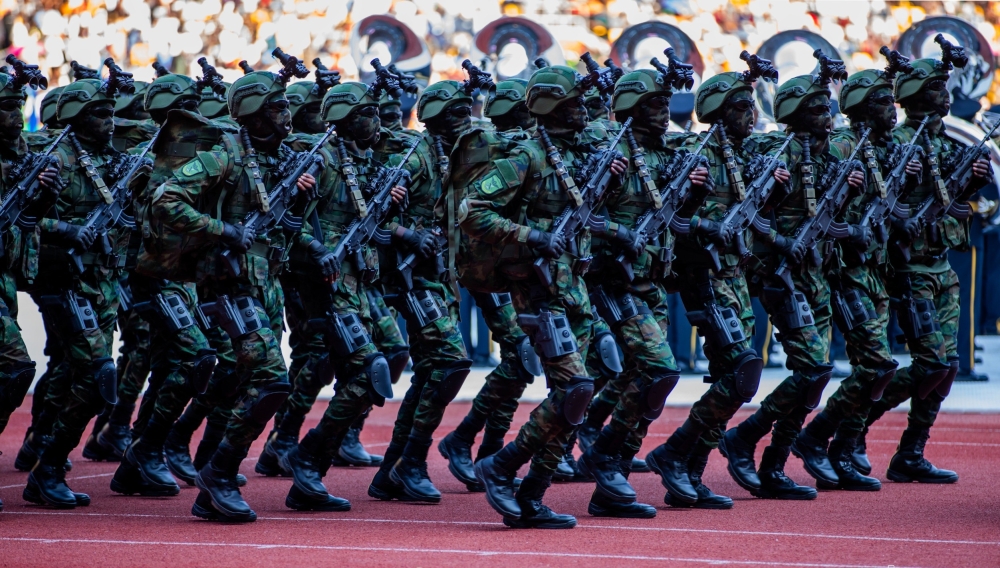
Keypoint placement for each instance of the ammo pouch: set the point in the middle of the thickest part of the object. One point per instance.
(719, 326)
(793, 311)
(167, 310)
(917, 318)
(552, 336)
(237, 317)
(421, 307)
(849, 310)
(615, 308)
(70, 311)
(348, 334)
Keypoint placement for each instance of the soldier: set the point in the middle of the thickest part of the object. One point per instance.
(390, 113)
(926, 278)
(511, 209)
(19, 253)
(363, 375)
(428, 299)
(80, 307)
(494, 406)
(598, 105)
(867, 100)
(803, 104)
(238, 176)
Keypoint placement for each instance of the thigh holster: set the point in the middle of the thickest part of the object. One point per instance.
(720, 327)
(881, 380)
(917, 318)
(201, 370)
(849, 310)
(380, 378)
(106, 379)
(655, 394)
(615, 308)
(238, 316)
(69, 311)
(167, 311)
(452, 379)
(551, 334)
(529, 365)
(793, 310)
(347, 334)
(746, 374)
(422, 308)
(19, 381)
(578, 394)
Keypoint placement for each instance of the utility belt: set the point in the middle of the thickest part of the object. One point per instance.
(110, 261)
(236, 316)
(270, 252)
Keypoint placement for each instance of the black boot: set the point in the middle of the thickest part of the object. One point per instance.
(639, 466)
(909, 463)
(116, 436)
(33, 446)
(459, 456)
(587, 433)
(601, 506)
(144, 473)
(309, 464)
(534, 514)
(146, 455)
(218, 480)
(410, 471)
(351, 452)
(491, 444)
(91, 449)
(850, 479)
(774, 484)
(385, 489)
(31, 494)
(277, 445)
(48, 483)
(215, 431)
(706, 498)
(601, 461)
(811, 447)
(568, 470)
(738, 445)
(178, 456)
(496, 474)
(670, 461)
(859, 457)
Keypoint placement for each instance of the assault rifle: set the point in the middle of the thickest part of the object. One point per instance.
(367, 227)
(742, 215)
(279, 200)
(576, 216)
(958, 184)
(113, 210)
(814, 229)
(657, 220)
(880, 208)
(25, 190)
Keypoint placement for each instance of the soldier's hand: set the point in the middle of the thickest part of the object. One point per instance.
(909, 227)
(781, 175)
(713, 230)
(628, 240)
(418, 241)
(549, 245)
(981, 168)
(619, 166)
(398, 194)
(791, 248)
(307, 185)
(79, 237)
(236, 237)
(699, 176)
(327, 262)
(913, 168)
(860, 236)
(856, 179)
(51, 182)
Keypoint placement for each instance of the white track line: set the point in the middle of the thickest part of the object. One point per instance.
(500, 553)
(311, 518)
(930, 443)
(67, 479)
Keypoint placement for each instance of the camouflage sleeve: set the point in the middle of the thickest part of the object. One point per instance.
(48, 224)
(174, 203)
(419, 167)
(494, 192)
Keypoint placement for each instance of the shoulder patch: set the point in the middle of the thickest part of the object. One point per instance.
(491, 184)
(192, 168)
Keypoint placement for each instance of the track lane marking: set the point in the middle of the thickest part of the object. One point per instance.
(67, 479)
(261, 546)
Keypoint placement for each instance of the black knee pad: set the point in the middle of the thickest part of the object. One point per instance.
(398, 358)
(227, 382)
(933, 378)
(106, 379)
(607, 352)
(529, 365)
(656, 392)
(746, 374)
(324, 370)
(454, 376)
(817, 380)
(12, 394)
(380, 377)
(944, 389)
(201, 370)
(269, 399)
(881, 380)
(578, 395)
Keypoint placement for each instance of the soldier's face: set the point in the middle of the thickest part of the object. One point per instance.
(521, 117)
(653, 117)
(597, 108)
(882, 111)
(277, 113)
(97, 123)
(572, 114)
(309, 119)
(391, 116)
(11, 119)
(737, 115)
(815, 117)
(936, 97)
(363, 126)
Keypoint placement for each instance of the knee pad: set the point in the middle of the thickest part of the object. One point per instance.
(106, 379)
(324, 370)
(380, 377)
(201, 370)
(577, 399)
(817, 380)
(944, 388)
(607, 353)
(655, 394)
(933, 378)
(269, 398)
(529, 365)
(746, 374)
(398, 358)
(12, 394)
(227, 383)
(849, 310)
(348, 334)
(881, 380)
(449, 385)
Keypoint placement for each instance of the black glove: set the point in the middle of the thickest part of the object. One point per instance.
(909, 227)
(79, 237)
(549, 245)
(713, 231)
(860, 236)
(790, 248)
(324, 259)
(51, 182)
(236, 237)
(419, 241)
(627, 240)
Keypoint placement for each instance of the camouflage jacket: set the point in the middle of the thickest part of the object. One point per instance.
(927, 254)
(20, 246)
(131, 133)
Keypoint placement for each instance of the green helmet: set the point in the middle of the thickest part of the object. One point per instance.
(793, 92)
(213, 105)
(858, 86)
(300, 94)
(168, 89)
(506, 96)
(122, 102)
(387, 100)
(637, 86)
(10, 89)
(249, 93)
(47, 112)
(713, 93)
(438, 97)
(924, 71)
(340, 100)
(550, 86)
(79, 95)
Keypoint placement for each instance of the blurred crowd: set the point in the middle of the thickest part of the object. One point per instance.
(177, 32)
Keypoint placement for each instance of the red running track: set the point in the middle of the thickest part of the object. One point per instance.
(903, 525)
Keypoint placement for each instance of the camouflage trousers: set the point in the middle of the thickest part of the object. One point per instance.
(806, 349)
(928, 352)
(13, 352)
(134, 357)
(867, 347)
(55, 374)
(720, 402)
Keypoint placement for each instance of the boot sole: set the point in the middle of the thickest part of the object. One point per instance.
(223, 516)
(764, 495)
(144, 491)
(729, 467)
(598, 511)
(903, 478)
(655, 468)
(585, 469)
(382, 495)
(843, 487)
(297, 505)
(811, 471)
(413, 494)
(356, 463)
(699, 505)
(454, 471)
(31, 496)
(519, 524)
(213, 515)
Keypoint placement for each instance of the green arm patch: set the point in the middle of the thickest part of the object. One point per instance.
(491, 184)
(192, 169)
